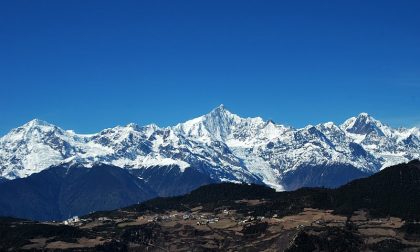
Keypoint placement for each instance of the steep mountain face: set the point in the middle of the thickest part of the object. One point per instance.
(64, 191)
(218, 147)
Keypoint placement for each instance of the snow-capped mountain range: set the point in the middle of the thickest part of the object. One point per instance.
(219, 144)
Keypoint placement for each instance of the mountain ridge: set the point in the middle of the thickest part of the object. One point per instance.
(220, 144)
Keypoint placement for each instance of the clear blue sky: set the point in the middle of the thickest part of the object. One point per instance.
(87, 65)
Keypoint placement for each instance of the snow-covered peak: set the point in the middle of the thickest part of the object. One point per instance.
(221, 107)
(37, 122)
(222, 125)
(221, 118)
(32, 131)
(215, 125)
(37, 145)
(363, 124)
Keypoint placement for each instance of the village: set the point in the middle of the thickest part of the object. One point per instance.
(224, 218)
(193, 217)
(176, 229)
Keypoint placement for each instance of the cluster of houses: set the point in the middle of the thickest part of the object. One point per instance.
(249, 219)
(158, 218)
(204, 219)
(200, 218)
(73, 221)
(77, 221)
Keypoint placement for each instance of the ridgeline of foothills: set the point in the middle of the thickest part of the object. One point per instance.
(377, 213)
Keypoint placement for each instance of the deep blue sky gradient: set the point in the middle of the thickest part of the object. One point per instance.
(88, 65)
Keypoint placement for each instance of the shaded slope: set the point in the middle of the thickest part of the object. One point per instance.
(61, 192)
(394, 191)
(171, 181)
(330, 176)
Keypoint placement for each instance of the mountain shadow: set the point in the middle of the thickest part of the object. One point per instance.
(330, 176)
(171, 181)
(61, 192)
